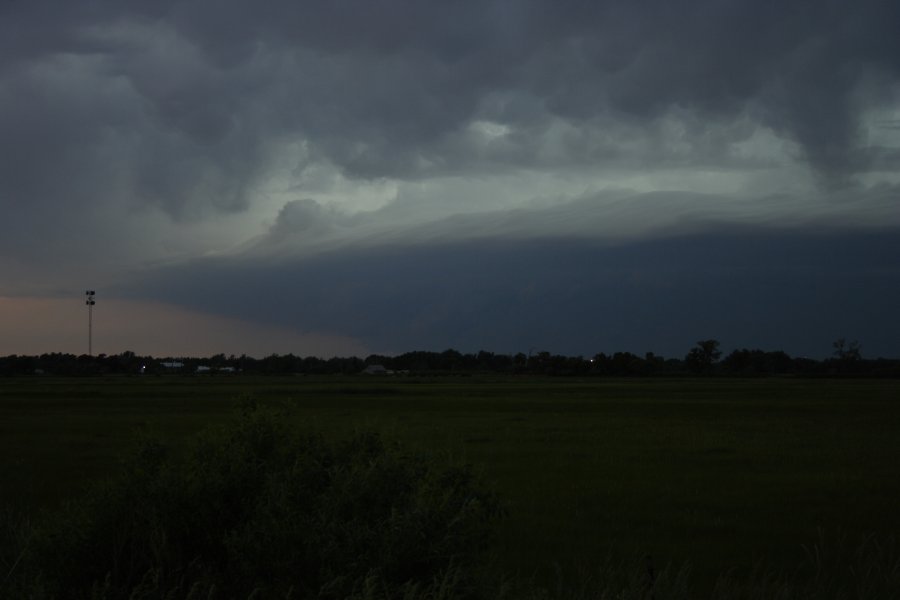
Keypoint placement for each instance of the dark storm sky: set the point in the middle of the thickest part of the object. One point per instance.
(396, 175)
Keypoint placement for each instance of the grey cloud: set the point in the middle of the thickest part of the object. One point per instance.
(305, 218)
(379, 87)
(797, 66)
(184, 107)
(615, 215)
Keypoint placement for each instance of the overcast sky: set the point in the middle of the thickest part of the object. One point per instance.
(352, 176)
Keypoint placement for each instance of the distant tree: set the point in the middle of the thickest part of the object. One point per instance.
(451, 360)
(758, 362)
(378, 359)
(847, 357)
(847, 351)
(18, 365)
(600, 364)
(520, 360)
(217, 361)
(653, 364)
(626, 363)
(702, 356)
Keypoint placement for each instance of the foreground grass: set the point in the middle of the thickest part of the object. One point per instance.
(260, 509)
(725, 476)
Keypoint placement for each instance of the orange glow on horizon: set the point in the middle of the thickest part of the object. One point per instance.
(33, 326)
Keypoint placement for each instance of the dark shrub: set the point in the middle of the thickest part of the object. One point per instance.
(257, 509)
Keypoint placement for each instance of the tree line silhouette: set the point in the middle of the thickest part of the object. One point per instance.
(704, 359)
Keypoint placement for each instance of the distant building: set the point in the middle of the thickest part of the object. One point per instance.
(172, 365)
(376, 370)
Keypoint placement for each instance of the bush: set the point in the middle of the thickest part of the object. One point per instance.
(256, 509)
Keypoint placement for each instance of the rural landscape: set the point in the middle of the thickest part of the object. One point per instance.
(449, 300)
(690, 485)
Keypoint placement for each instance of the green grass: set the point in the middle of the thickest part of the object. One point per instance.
(724, 474)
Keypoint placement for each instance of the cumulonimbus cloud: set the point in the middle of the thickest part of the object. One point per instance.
(140, 133)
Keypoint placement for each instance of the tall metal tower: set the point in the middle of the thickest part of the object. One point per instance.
(90, 304)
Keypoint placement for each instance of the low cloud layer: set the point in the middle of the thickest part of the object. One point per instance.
(751, 287)
(148, 137)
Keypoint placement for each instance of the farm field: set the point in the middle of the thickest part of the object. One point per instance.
(724, 474)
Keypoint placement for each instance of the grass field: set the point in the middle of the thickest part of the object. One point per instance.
(724, 474)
